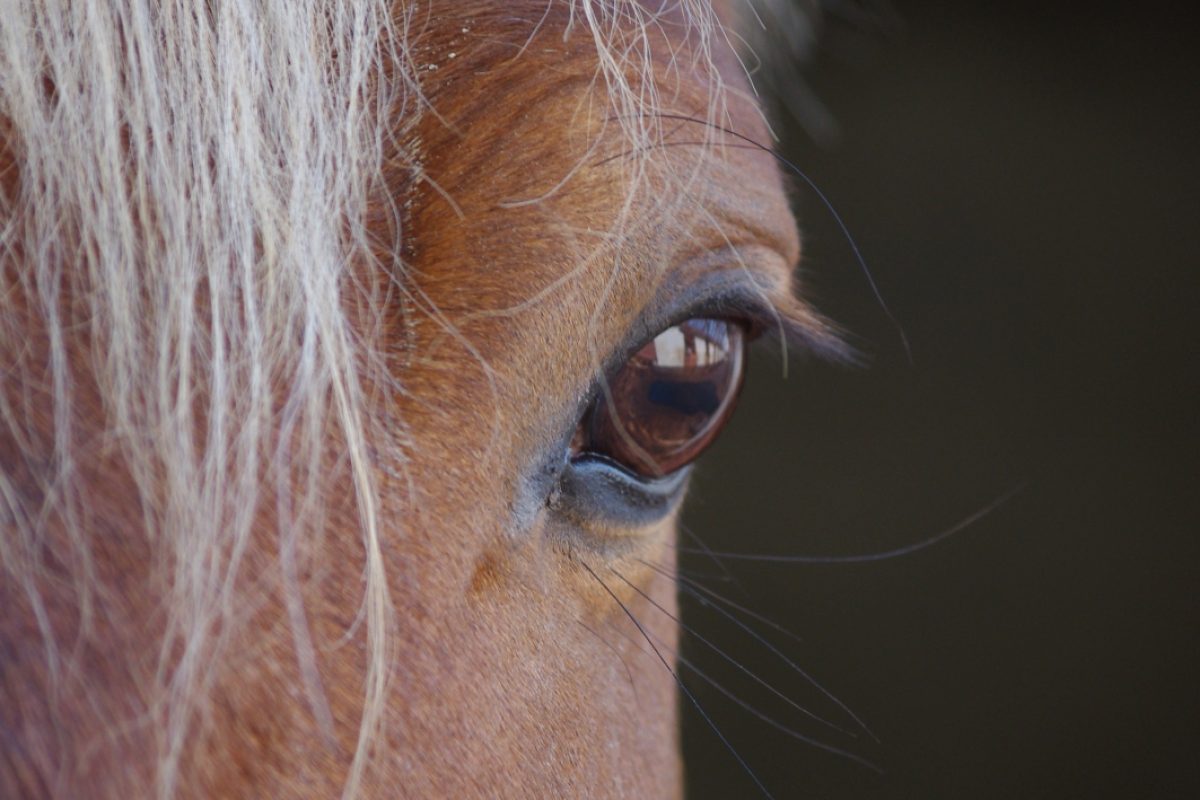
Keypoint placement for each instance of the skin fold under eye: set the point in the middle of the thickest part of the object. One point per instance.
(668, 402)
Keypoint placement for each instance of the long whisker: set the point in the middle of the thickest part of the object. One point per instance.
(817, 743)
(686, 692)
(624, 663)
(783, 657)
(679, 575)
(712, 556)
(759, 714)
(867, 558)
(708, 576)
(691, 631)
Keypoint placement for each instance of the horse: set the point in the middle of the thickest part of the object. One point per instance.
(356, 355)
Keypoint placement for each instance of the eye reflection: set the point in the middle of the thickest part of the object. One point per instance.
(667, 403)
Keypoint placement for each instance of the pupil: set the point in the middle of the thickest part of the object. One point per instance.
(685, 398)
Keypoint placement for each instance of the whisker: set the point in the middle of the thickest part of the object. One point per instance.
(783, 657)
(678, 682)
(817, 743)
(867, 558)
(624, 663)
(825, 201)
(722, 598)
(708, 576)
(774, 723)
(731, 659)
(713, 557)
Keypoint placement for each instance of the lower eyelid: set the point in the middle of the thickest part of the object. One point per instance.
(594, 491)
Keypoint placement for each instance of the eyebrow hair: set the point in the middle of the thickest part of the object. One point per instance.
(792, 169)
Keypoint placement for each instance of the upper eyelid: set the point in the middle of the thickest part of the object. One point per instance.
(730, 296)
(733, 296)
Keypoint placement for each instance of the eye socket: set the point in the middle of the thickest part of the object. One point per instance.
(668, 402)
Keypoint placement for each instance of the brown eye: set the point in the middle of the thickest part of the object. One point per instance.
(669, 401)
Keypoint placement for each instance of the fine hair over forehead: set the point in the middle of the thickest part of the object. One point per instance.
(184, 227)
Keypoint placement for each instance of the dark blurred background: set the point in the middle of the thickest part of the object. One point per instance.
(1022, 179)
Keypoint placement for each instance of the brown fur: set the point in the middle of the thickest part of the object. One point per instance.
(514, 673)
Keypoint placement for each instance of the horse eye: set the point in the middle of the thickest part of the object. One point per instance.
(669, 400)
